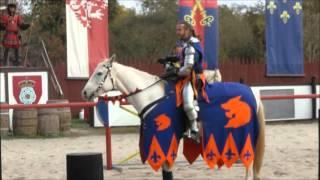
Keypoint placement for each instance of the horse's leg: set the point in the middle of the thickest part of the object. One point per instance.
(249, 172)
(258, 160)
(167, 172)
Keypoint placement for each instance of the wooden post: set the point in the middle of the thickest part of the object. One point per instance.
(108, 148)
(314, 101)
(318, 136)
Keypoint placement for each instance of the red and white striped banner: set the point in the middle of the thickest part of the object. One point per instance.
(87, 36)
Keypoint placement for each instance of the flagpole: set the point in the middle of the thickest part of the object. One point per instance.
(0, 157)
(29, 36)
(6, 2)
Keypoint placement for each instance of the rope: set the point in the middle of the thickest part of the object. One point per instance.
(129, 110)
(129, 157)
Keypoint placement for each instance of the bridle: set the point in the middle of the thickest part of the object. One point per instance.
(108, 67)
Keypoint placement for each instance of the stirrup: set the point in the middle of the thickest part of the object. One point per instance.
(193, 135)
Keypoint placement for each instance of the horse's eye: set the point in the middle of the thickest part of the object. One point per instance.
(99, 73)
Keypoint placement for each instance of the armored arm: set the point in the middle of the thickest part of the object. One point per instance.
(186, 69)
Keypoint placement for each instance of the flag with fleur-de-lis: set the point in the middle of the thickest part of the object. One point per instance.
(203, 16)
(284, 37)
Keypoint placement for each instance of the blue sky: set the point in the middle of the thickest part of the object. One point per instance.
(135, 4)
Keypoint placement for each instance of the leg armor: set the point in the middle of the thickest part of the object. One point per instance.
(189, 106)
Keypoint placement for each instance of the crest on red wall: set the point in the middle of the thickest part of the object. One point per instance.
(27, 89)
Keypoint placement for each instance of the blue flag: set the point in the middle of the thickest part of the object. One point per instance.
(103, 111)
(284, 37)
(203, 15)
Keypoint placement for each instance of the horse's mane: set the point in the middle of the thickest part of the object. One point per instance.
(138, 71)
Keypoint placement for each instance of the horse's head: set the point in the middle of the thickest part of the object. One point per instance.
(101, 80)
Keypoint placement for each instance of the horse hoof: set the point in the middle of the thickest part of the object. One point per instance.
(256, 178)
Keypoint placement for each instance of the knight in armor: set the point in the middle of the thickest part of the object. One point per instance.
(11, 23)
(191, 73)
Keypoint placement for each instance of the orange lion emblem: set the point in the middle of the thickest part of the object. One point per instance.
(238, 112)
(162, 122)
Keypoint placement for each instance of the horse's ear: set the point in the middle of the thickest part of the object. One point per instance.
(112, 58)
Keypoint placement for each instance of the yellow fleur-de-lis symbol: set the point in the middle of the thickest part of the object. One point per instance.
(285, 16)
(297, 7)
(189, 19)
(271, 6)
(205, 21)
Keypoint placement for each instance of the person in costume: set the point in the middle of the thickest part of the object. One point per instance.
(191, 74)
(12, 23)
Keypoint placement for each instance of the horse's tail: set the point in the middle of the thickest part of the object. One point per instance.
(260, 142)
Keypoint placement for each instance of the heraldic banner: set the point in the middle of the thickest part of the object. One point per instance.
(284, 37)
(203, 15)
(87, 36)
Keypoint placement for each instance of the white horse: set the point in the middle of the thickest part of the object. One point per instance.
(110, 75)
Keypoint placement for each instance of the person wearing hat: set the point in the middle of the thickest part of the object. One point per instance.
(11, 23)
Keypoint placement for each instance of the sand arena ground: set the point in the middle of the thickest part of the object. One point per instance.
(292, 151)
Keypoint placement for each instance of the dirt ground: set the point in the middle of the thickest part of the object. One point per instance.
(292, 153)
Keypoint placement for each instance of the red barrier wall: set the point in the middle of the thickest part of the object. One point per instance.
(255, 74)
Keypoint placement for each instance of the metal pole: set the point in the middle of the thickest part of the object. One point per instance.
(6, 2)
(51, 78)
(27, 50)
(29, 36)
(24, 106)
(51, 67)
(305, 96)
(91, 104)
